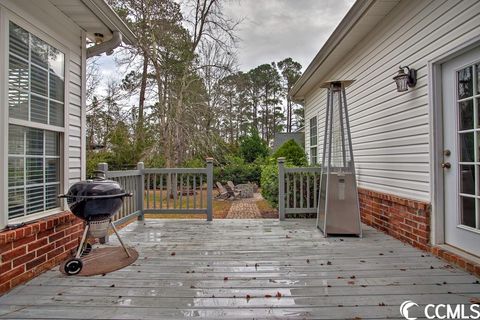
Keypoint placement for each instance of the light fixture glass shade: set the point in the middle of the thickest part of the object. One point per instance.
(401, 79)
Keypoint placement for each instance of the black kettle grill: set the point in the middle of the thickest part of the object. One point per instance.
(94, 201)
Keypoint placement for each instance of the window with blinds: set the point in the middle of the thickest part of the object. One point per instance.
(313, 140)
(36, 123)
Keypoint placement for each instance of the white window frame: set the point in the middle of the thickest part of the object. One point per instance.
(5, 17)
(312, 146)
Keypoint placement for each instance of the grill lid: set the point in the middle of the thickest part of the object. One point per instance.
(97, 188)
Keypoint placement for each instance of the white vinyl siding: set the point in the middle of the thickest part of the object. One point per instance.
(48, 23)
(390, 130)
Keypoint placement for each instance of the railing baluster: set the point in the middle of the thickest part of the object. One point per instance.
(294, 190)
(194, 191)
(314, 190)
(308, 190)
(175, 192)
(181, 190)
(201, 191)
(161, 191)
(188, 191)
(154, 191)
(148, 191)
(287, 193)
(301, 190)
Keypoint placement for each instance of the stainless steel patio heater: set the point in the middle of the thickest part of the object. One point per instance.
(338, 209)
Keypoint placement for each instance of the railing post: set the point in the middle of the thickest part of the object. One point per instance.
(103, 166)
(209, 189)
(140, 190)
(281, 188)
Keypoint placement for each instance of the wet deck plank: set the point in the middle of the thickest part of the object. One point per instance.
(235, 268)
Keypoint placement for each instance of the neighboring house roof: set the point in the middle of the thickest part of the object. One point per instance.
(95, 16)
(360, 20)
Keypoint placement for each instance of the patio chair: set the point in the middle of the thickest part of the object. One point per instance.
(232, 193)
(232, 185)
(222, 192)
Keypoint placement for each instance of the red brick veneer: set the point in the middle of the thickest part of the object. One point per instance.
(36, 247)
(407, 220)
(404, 219)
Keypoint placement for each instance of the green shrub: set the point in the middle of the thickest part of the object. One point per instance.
(269, 183)
(293, 153)
(238, 171)
(253, 147)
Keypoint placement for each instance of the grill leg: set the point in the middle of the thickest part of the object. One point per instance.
(84, 237)
(120, 239)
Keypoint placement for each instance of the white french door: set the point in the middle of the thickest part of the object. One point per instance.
(461, 156)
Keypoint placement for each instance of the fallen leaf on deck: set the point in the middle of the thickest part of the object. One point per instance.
(351, 282)
(278, 295)
(268, 296)
(248, 297)
(225, 279)
(475, 300)
(173, 253)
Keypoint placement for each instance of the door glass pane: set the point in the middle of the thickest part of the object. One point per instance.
(17, 104)
(466, 115)
(39, 109)
(465, 83)
(466, 147)
(467, 179)
(477, 67)
(467, 216)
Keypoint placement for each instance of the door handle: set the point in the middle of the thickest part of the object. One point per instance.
(446, 165)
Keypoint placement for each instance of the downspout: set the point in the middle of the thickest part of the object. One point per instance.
(106, 46)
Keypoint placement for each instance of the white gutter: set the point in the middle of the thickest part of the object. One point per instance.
(106, 46)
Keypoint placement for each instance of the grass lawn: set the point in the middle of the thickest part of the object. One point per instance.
(220, 208)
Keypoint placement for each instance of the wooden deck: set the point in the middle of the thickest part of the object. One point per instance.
(248, 269)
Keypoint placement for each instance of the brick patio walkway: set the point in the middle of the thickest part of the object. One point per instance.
(245, 208)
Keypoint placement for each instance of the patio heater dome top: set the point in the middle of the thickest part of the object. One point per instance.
(345, 83)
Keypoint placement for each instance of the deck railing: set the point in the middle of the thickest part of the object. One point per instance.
(297, 189)
(164, 190)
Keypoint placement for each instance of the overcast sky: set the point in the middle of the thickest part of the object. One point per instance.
(272, 30)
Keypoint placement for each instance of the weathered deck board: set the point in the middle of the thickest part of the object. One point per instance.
(217, 264)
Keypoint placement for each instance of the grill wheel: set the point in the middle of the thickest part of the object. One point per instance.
(73, 266)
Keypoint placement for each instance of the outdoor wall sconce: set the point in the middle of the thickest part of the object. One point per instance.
(405, 80)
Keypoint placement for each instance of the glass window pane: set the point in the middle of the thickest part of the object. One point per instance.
(466, 115)
(18, 42)
(467, 216)
(51, 199)
(34, 170)
(38, 109)
(34, 199)
(465, 83)
(52, 170)
(52, 143)
(39, 81)
(56, 88)
(17, 104)
(467, 179)
(18, 73)
(56, 61)
(34, 141)
(466, 147)
(39, 52)
(15, 172)
(15, 203)
(56, 114)
(16, 140)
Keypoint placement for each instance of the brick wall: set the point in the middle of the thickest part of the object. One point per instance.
(404, 219)
(34, 248)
